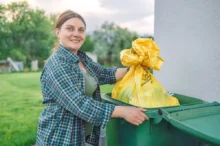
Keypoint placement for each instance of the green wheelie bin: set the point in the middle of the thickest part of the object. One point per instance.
(193, 123)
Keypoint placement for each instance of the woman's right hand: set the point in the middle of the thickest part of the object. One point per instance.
(133, 115)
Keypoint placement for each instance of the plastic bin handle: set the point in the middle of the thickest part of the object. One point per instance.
(154, 116)
(164, 113)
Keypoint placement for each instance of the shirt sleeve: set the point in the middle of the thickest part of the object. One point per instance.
(63, 82)
(105, 75)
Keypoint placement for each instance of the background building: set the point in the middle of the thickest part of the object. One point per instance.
(188, 34)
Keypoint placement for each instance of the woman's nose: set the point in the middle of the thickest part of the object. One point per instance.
(75, 33)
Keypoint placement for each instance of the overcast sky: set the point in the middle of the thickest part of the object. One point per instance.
(137, 15)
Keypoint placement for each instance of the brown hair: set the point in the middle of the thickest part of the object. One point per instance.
(66, 15)
(63, 17)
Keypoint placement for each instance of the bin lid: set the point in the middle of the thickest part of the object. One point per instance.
(202, 122)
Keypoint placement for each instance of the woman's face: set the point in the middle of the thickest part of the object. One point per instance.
(72, 34)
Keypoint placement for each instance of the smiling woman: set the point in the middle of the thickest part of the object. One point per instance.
(70, 83)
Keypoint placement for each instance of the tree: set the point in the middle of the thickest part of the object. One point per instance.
(109, 40)
(4, 32)
(28, 33)
(147, 36)
(88, 45)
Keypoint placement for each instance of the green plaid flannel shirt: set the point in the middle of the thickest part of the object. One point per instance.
(62, 122)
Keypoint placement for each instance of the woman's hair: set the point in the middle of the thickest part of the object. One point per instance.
(63, 17)
(66, 15)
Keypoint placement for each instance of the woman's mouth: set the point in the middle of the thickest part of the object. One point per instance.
(75, 41)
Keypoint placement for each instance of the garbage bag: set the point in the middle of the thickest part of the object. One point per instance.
(139, 87)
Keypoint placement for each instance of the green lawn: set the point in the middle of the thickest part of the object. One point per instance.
(20, 107)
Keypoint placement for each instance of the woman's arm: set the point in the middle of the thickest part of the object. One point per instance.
(120, 73)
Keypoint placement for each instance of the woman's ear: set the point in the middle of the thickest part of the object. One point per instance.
(57, 32)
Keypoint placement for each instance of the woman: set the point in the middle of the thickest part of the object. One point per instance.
(70, 87)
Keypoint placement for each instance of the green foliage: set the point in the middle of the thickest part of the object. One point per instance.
(109, 40)
(147, 36)
(27, 34)
(17, 55)
(88, 45)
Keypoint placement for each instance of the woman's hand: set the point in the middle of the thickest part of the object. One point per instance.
(133, 115)
(145, 67)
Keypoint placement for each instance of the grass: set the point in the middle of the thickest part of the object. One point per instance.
(21, 106)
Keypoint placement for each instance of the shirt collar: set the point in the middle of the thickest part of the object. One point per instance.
(69, 55)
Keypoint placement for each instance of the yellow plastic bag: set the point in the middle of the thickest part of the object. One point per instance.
(139, 87)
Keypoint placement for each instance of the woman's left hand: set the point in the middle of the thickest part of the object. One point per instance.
(145, 67)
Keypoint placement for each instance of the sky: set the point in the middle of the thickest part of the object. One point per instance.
(136, 15)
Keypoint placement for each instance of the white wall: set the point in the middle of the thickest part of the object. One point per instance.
(188, 34)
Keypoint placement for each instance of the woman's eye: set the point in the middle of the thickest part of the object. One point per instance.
(81, 30)
(69, 28)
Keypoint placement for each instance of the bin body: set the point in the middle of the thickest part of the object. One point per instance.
(121, 133)
(154, 132)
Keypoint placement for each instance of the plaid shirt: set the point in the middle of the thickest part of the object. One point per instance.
(62, 122)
